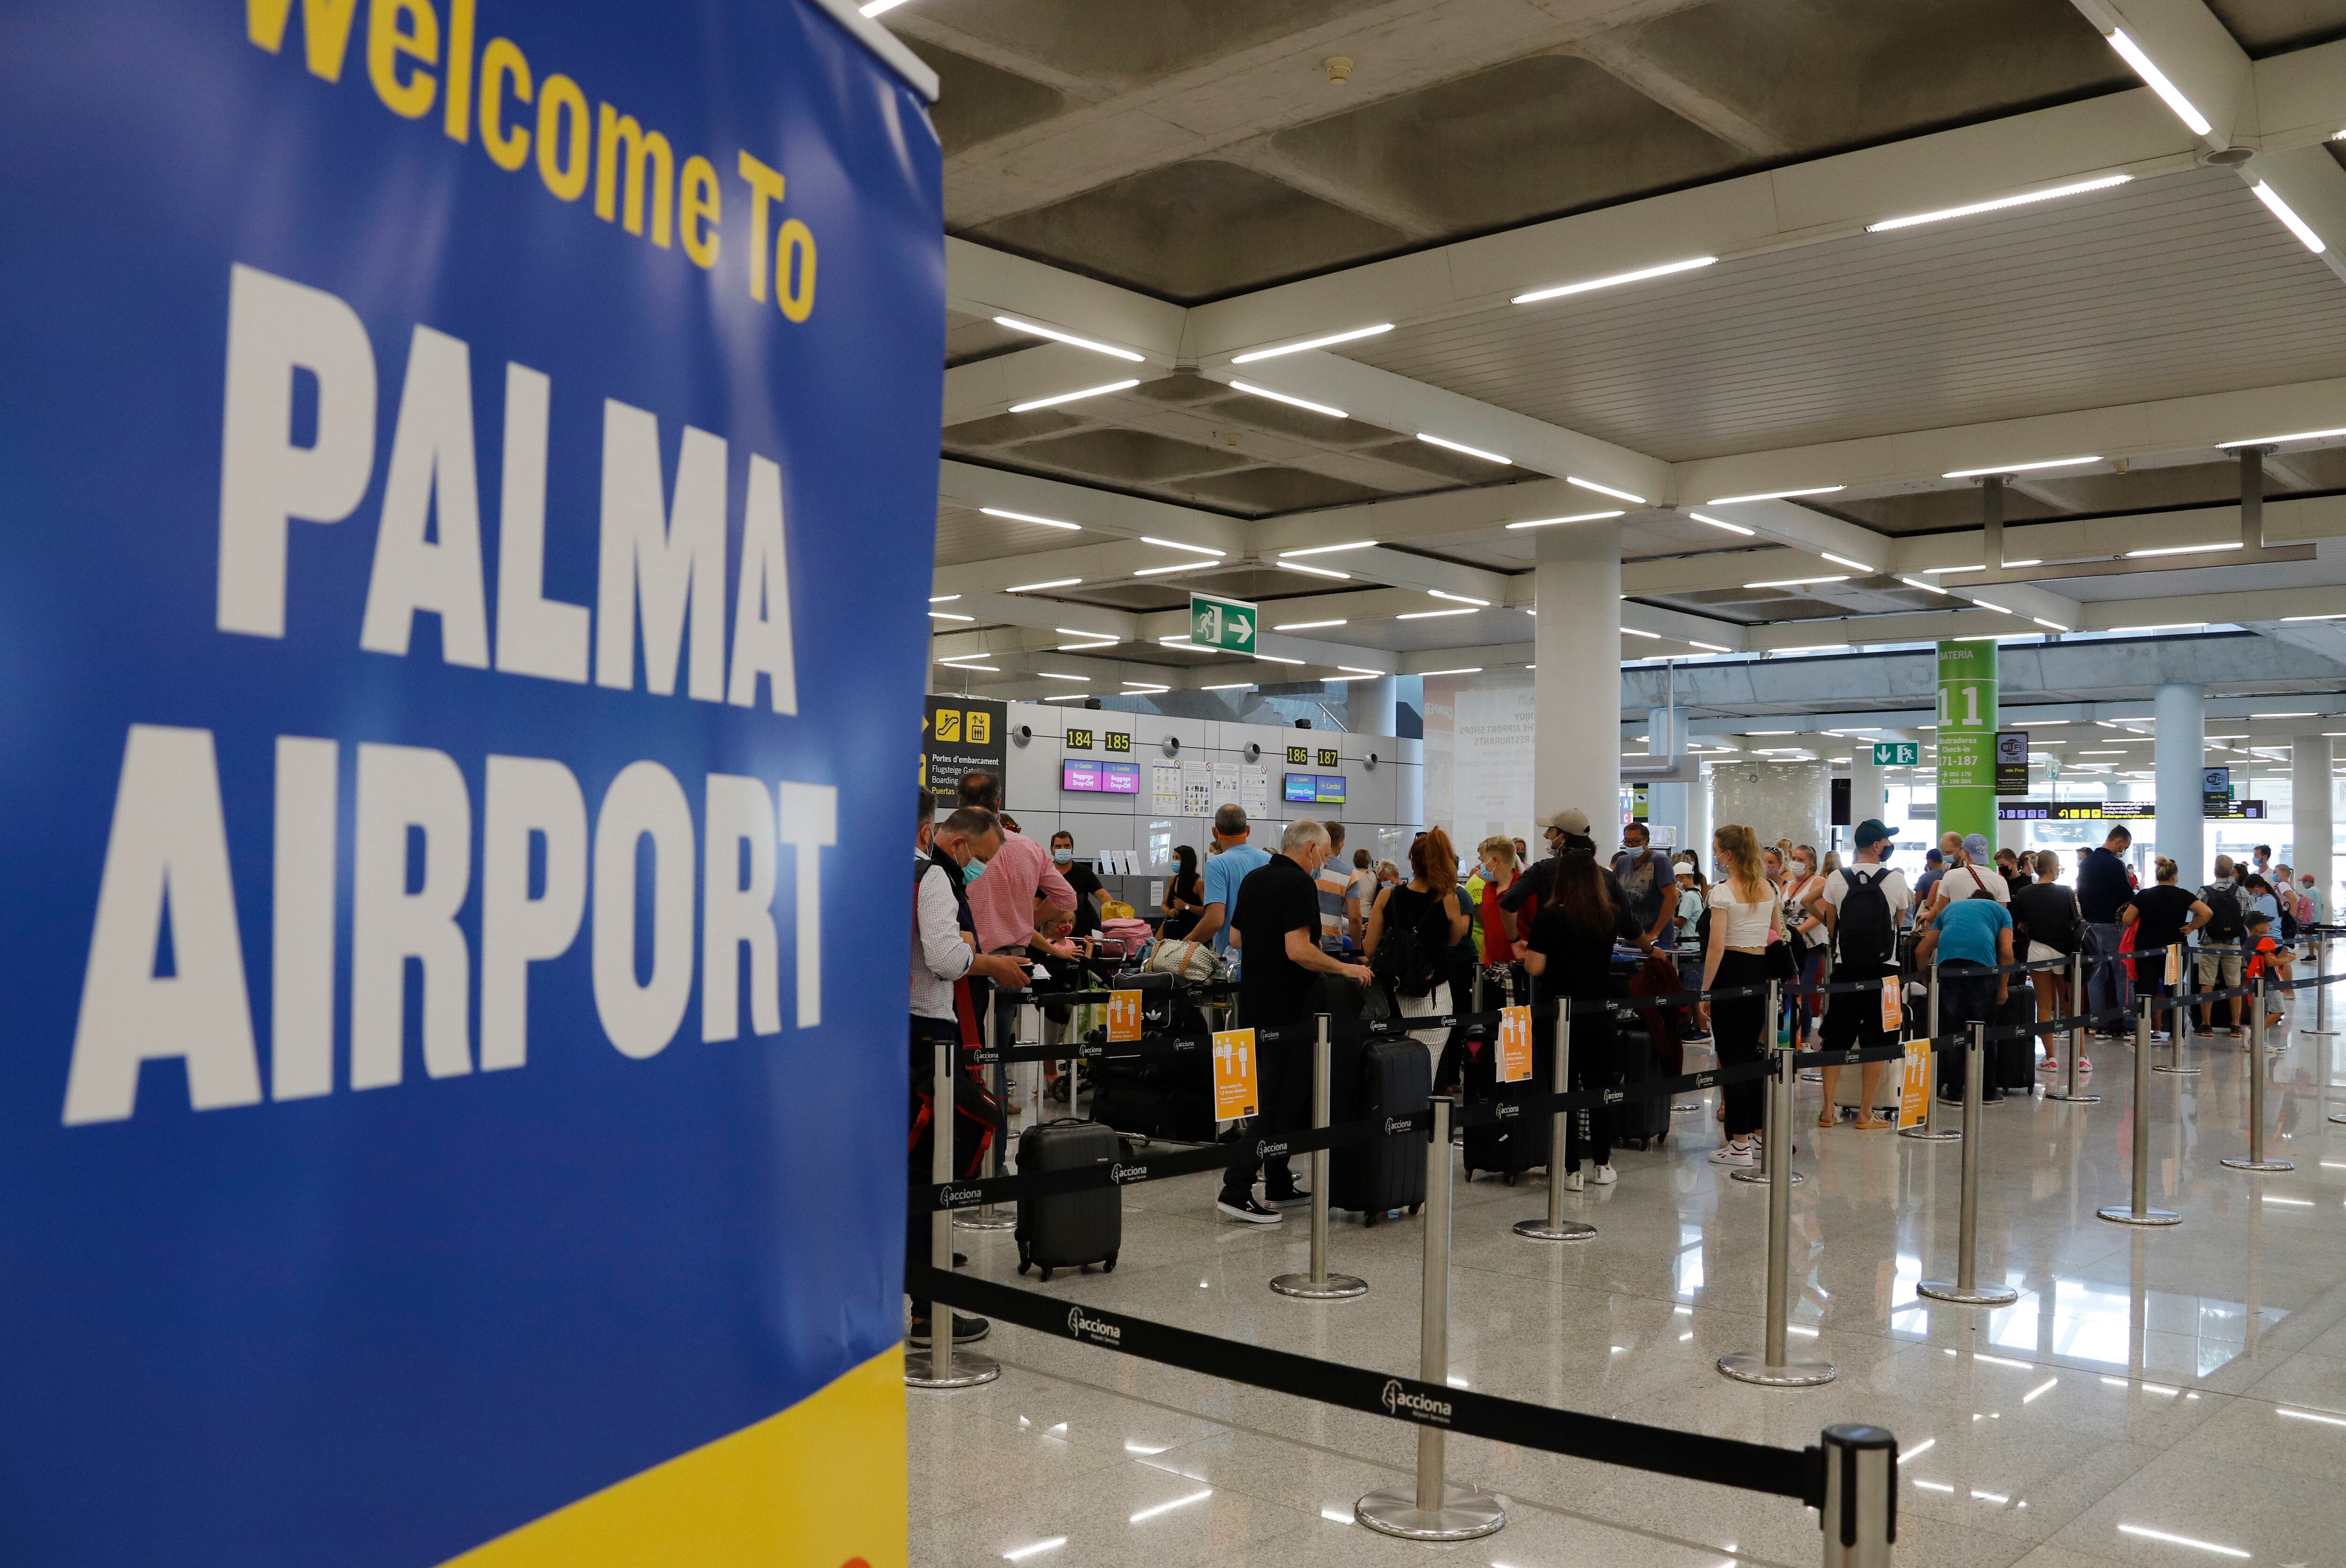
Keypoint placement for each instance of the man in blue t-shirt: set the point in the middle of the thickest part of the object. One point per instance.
(1967, 939)
(1226, 867)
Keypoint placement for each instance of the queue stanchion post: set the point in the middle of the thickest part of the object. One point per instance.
(2179, 1015)
(2077, 1036)
(1434, 1508)
(1775, 1140)
(1966, 1290)
(986, 1217)
(2256, 1160)
(1554, 1226)
(1859, 1516)
(2140, 1212)
(2320, 990)
(1773, 1368)
(1930, 1132)
(938, 1365)
(1320, 1285)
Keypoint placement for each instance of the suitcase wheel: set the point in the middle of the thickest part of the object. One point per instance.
(1107, 1263)
(1046, 1275)
(1509, 1178)
(1024, 1260)
(1370, 1218)
(1414, 1207)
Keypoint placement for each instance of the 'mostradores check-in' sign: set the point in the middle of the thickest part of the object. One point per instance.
(459, 467)
(1221, 624)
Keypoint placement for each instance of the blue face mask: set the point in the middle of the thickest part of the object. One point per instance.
(971, 871)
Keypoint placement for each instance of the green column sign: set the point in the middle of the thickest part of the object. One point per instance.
(1967, 694)
(1220, 624)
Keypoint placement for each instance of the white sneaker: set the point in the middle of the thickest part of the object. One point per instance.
(1734, 1153)
(1607, 1176)
(1574, 1181)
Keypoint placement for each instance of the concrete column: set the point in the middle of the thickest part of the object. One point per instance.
(1697, 812)
(2310, 828)
(2182, 750)
(1577, 689)
(1370, 706)
(1869, 788)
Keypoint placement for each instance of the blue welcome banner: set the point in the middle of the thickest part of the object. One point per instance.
(468, 479)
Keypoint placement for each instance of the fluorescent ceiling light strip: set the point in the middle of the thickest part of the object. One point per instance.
(1774, 495)
(2161, 626)
(1797, 582)
(1143, 688)
(2018, 468)
(873, 8)
(1577, 517)
(1184, 567)
(1291, 402)
(2053, 626)
(1458, 598)
(1054, 583)
(1429, 615)
(1716, 523)
(1999, 609)
(1079, 632)
(2276, 440)
(1714, 647)
(1357, 670)
(1072, 396)
(1029, 517)
(1315, 571)
(1634, 632)
(1067, 696)
(2131, 52)
(1615, 279)
(1305, 625)
(1328, 549)
(1472, 669)
(947, 615)
(2333, 615)
(2181, 550)
(1945, 571)
(1177, 545)
(943, 599)
(2285, 715)
(1040, 330)
(1274, 658)
(1357, 332)
(1605, 489)
(2282, 211)
(2079, 189)
(1926, 587)
(1049, 674)
(1462, 446)
(1845, 561)
(1230, 686)
(1082, 647)
(982, 668)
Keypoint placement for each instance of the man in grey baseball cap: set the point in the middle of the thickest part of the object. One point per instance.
(1567, 834)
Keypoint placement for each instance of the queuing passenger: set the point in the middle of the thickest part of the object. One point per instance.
(1934, 866)
(1811, 942)
(1020, 883)
(1414, 928)
(1388, 876)
(1091, 895)
(2162, 917)
(1359, 895)
(1571, 949)
(2217, 961)
(1968, 938)
(2101, 893)
(2267, 957)
(1275, 921)
(2045, 915)
(1694, 894)
(1745, 912)
(1185, 895)
(1335, 885)
(1226, 867)
(2313, 907)
(944, 950)
(1862, 938)
(1499, 871)
(1567, 834)
(1642, 876)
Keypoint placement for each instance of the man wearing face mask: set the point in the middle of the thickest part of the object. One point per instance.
(1651, 887)
(1020, 883)
(1090, 896)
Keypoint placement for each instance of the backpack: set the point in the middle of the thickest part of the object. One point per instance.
(1868, 935)
(2224, 924)
(1405, 960)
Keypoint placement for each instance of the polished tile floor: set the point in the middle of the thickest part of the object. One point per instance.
(2171, 1399)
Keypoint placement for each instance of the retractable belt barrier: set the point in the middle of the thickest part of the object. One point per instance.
(1693, 1456)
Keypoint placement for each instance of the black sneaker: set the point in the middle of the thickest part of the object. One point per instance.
(1990, 1096)
(1244, 1207)
(1293, 1197)
(965, 1330)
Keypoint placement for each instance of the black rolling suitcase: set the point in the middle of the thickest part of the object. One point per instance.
(1510, 1148)
(1373, 1180)
(1147, 1107)
(1640, 1119)
(2011, 1063)
(1070, 1229)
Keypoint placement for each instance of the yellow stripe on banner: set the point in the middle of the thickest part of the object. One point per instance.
(819, 1485)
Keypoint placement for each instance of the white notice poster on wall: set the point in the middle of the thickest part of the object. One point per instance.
(1226, 784)
(1197, 789)
(1254, 788)
(1164, 789)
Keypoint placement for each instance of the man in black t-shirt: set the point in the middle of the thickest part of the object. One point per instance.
(1276, 923)
(1567, 834)
(1089, 895)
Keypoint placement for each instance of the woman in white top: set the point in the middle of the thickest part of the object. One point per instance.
(1744, 911)
(1801, 883)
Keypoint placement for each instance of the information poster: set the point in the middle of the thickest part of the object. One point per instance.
(1123, 1017)
(470, 477)
(1164, 789)
(961, 735)
(1894, 1006)
(1514, 1057)
(1254, 787)
(1235, 1094)
(1914, 1085)
(1967, 704)
(1197, 789)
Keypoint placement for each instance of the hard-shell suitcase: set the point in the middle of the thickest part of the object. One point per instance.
(1395, 1078)
(2011, 1063)
(1507, 1148)
(1640, 1119)
(1070, 1229)
(1148, 1109)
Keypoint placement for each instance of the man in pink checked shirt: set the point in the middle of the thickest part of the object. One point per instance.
(1017, 885)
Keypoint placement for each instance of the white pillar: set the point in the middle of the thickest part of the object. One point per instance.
(1697, 812)
(1869, 790)
(1577, 689)
(2309, 817)
(1371, 707)
(2182, 750)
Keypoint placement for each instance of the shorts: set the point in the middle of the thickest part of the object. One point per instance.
(2219, 970)
(2038, 952)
